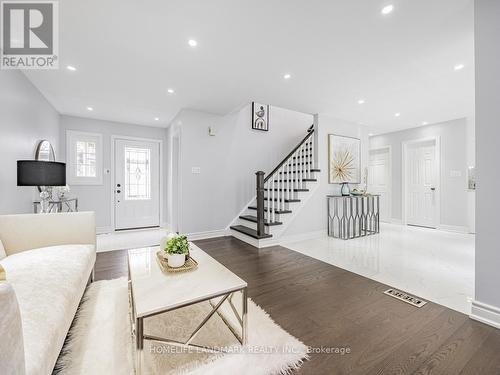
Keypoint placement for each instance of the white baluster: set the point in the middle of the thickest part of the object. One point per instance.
(267, 199)
(283, 191)
(289, 176)
(309, 153)
(272, 201)
(295, 170)
(280, 191)
(302, 165)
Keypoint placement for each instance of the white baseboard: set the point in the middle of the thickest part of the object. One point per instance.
(208, 234)
(453, 228)
(395, 221)
(302, 236)
(485, 313)
(103, 230)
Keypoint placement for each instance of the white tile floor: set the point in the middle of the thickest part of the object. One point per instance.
(130, 239)
(435, 265)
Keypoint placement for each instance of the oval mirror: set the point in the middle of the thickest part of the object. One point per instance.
(45, 151)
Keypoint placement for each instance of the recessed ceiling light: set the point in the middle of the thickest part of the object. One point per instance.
(170, 91)
(397, 114)
(370, 134)
(192, 42)
(71, 67)
(459, 67)
(361, 101)
(157, 119)
(387, 9)
(287, 76)
(425, 123)
(90, 109)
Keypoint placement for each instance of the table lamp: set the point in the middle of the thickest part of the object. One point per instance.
(43, 174)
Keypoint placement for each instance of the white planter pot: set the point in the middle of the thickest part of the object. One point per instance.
(176, 260)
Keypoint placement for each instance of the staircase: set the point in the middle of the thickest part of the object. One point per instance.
(280, 196)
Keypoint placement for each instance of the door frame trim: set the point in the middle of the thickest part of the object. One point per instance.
(404, 179)
(114, 138)
(389, 148)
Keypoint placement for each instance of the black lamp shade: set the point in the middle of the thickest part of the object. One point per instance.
(40, 173)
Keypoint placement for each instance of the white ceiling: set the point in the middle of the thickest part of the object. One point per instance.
(128, 52)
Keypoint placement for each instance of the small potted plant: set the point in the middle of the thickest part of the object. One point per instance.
(177, 249)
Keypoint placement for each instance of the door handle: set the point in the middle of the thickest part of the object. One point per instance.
(433, 188)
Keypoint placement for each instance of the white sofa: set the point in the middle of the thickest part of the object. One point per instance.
(50, 258)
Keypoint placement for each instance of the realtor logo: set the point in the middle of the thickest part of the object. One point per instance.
(29, 37)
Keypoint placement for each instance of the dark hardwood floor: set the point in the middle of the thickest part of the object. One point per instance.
(325, 306)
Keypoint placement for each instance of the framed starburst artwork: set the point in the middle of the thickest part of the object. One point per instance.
(344, 159)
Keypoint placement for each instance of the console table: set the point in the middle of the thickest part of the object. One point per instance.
(353, 216)
(59, 205)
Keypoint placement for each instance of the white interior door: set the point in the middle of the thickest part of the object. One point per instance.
(421, 184)
(379, 180)
(137, 184)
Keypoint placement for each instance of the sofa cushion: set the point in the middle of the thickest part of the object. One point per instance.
(11, 339)
(49, 283)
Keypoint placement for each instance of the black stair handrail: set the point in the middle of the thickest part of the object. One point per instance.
(310, 132)
(261, 181)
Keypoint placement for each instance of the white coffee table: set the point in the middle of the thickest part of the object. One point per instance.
(154, 292)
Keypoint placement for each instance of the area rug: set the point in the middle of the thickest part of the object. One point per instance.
(100, 340)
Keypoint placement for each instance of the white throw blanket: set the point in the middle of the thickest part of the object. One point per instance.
(49, 283)
(11, 338)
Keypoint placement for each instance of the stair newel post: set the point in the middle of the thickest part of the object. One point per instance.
(260, 203)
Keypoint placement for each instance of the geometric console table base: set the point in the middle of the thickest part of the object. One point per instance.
(353, 216)
(59, 205)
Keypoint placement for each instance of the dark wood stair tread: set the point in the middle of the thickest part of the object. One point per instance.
(286, 200)
(295, 190)
(253, 219)
(298, 179)
(250, 232)
(279, 212)
(312, 170)
(307, 156)
(306, 162)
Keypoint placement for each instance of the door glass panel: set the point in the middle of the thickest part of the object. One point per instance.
(137, 173)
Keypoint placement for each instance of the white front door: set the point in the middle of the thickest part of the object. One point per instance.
(137, 184)
(379, 180)
(421, 184)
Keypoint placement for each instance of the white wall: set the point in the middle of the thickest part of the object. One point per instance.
(228, 161)
(487, 57)
(313, 216)
(98, 198)
(454, 194)
(26, 117)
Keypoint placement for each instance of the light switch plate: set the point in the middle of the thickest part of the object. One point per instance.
(455, 173)
(195, 170)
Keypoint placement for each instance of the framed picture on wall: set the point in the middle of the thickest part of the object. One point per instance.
(260, 116)
(344, 159)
